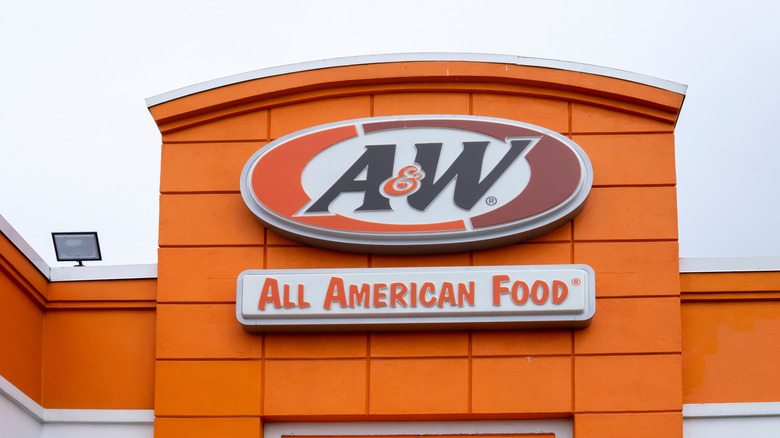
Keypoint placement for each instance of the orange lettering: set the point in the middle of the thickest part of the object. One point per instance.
(518, 300)
(447, 294)
(287, 303)
(379, 296)
(269, 294)
(397, 292)
(467, 293)
(499, 290)
(559, 292)
(359, 296)
(301, 301)
(539, 284)
(335, 293)
(427, 287)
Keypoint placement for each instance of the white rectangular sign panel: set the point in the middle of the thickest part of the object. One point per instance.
(416, 298)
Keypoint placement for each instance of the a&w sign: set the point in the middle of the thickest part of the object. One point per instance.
(417, 184)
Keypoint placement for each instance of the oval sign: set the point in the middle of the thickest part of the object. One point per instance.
(417, 184)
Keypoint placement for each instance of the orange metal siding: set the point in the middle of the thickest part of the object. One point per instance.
(731, 327)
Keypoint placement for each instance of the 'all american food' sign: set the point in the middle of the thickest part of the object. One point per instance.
(416, 298)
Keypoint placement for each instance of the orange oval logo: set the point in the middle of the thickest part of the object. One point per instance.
(417, 184)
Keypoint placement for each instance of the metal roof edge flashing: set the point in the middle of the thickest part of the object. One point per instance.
(417, 57)
(18, 241)
(729, 264)
(108, 272)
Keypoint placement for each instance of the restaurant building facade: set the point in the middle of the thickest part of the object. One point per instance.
(212, 342)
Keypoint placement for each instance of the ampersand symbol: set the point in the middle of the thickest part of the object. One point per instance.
(407, 181)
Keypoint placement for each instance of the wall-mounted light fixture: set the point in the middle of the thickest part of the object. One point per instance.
(76, 247)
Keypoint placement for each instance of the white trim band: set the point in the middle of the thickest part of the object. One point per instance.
(48, 416)
(111, 416)
(561, 428)
(110, 272)
(11, 392)
(722, 410)
(418, 57)
(729, 264)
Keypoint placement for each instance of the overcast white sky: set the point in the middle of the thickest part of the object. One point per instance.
(80, 151)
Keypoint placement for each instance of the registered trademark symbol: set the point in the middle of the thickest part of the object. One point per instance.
(576, 282)
(491, 200)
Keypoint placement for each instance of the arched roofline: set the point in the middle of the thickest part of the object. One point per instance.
(417, 57)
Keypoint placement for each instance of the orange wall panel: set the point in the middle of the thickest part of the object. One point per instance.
(203, 331)
(420, 260)
(521, 342)
(626, 269)
(630, 159)
(420, 103)
(419, 386)
(168, 427)
(631, 325)
(628, 213)
(627, 383)
(207, 219)
(315, 345)
(549, 113)
(204, 167)
(522, 384)
(525, 254)
(98, 359)
(203, 274)
(307, 257)
(634, 425)
(315, 387)
(419, 344)
(208, 388)
(290, 118)
(730, 351)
